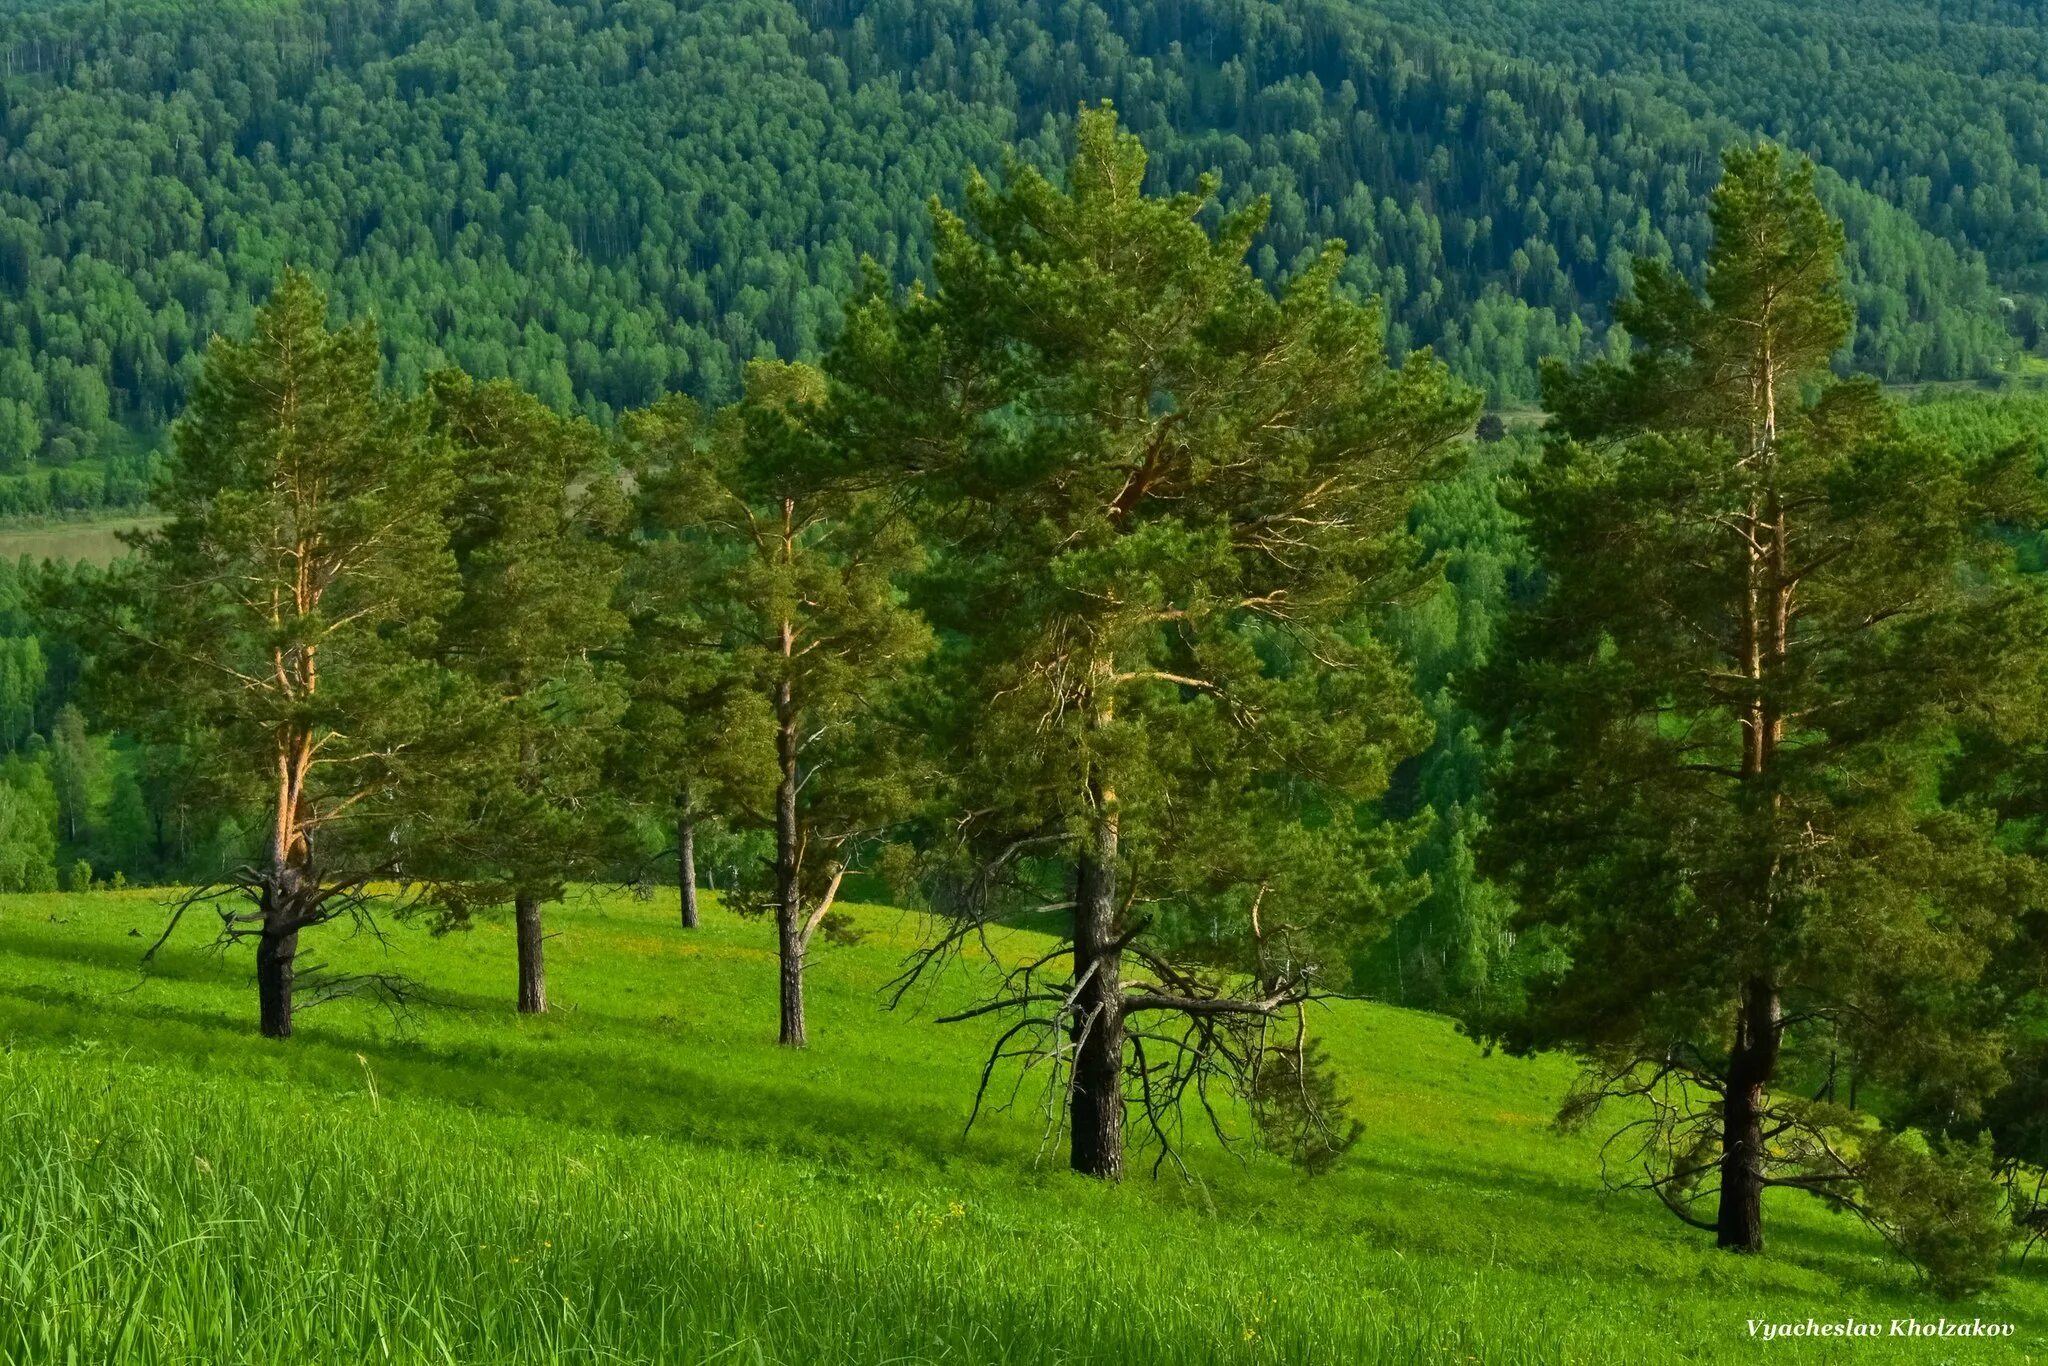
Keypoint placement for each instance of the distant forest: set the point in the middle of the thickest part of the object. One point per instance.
(606, 202)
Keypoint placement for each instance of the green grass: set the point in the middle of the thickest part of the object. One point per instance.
(90, 542)
(643, 1176)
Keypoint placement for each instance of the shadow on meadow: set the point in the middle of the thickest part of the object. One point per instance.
(666, 1037)
(590, 1067)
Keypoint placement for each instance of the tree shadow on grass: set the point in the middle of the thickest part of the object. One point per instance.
(568, 1082)
(556, 1081)
(235, 969)
(1837, 1245)
(582, 1078)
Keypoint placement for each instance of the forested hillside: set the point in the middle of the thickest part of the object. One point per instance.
(608, 201)
(1934, 105)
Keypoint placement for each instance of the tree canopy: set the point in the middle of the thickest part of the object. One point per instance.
(276, 620)
(1769, 609)
(1169, 498)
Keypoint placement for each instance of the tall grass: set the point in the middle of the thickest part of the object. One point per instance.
(226, 1227)
(645, 1177)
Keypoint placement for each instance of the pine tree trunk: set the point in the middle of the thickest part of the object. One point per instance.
(1096, 1117)
(276, 963)
(686, 868)
(283, 901)
(1753, 1062)
(1753, 1065)
(788, 889)
(790, 946)
(533, 976)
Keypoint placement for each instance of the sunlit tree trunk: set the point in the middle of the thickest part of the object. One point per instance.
(686, 867)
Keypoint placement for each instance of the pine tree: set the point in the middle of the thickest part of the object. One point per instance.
(780, 595)
(77, 767)
(695, 726)
(1169, 503)
(531, 525)
(1767, 610)
(126, 839)
(280, 619)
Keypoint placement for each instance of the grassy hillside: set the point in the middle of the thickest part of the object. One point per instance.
(643, 1176)
(97, 541)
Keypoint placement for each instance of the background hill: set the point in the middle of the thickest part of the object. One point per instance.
(644, 1175)
(608, 200)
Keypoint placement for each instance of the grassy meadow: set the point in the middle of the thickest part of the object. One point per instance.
(642, 1175)
(96, 541)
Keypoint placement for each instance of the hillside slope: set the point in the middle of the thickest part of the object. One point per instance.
(1936, 105)
(607, 201)
(643, 1175)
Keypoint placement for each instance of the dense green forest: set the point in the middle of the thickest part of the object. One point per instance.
(1935, 107)
(607, 202)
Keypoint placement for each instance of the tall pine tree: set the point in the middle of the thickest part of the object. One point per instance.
(1768, 609)
(1169, 503)
(282, 617)
(778, 590)
(695, 726)
(532, 523)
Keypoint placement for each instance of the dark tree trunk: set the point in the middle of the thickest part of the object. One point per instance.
(1752, 1067)
(789, 938)
(686, 867)
(1096, 1119)
(276, 961)
(789, 943)
(533, 975)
